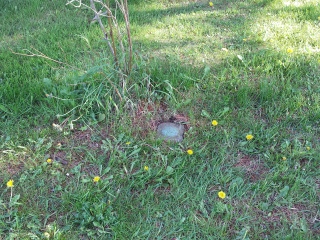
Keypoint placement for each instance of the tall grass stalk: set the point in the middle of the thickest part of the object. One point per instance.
(118, 40)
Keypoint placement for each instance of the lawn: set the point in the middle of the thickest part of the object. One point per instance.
(80, 144)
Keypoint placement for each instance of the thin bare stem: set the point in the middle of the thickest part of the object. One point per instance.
(97, 16)
(10, 207)
(115, 88)
(109, 15)
(127, 22)
(37, 53)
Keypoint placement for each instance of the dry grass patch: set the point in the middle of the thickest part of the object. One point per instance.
(254, 168)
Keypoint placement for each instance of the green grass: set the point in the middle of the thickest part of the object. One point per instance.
(251, 65)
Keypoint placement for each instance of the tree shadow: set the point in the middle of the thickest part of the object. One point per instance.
(301, 13)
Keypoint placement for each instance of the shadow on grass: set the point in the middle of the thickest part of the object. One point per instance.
(301, 13)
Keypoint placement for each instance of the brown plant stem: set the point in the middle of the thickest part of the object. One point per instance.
(127, 21)
(97, 16)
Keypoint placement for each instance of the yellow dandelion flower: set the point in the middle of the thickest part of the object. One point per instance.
(211, 4)
(46, 235)
(146, 168)
(249, 137)
(214, 122)
(289, 50)
(222, 194)
(49, 160)
(308, 148)
(128, 143)
(189, 151)
(284, 158)
(96, 179)
(10, 183)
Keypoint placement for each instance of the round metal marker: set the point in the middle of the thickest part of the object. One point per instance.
(171, 131)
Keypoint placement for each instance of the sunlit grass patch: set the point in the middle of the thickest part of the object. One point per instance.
(283, 34)
(286, 28)
(299, 3)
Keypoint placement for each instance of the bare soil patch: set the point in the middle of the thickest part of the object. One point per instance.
(255, 169)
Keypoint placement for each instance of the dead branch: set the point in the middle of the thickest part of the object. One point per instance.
(37, 53)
